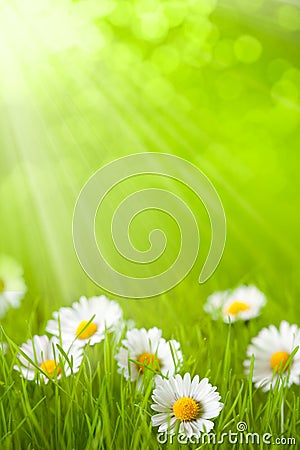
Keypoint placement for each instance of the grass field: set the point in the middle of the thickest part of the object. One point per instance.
(83, 83)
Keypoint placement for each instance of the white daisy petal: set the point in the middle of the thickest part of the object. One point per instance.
(158, 419)
(150, 350)
(177, 384)
(44, 353)
(188, 429)
(160, 408)
(271, 350)
(86, 320)
(12, 285)
(206, 425)
(176, 401)
(27, 373)
(243, 303)
(163, 427)
(186, 384)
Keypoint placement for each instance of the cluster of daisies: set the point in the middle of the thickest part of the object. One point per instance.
(182, 403)
(276, 359)
(192, 402)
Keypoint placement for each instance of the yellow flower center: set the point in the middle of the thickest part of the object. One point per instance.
(2, 285)
(278, 361)
(85, 330)
(50, 367)
(186, 409)
(149, 360)
(236, 307)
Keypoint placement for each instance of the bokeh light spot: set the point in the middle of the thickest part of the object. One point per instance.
(197, 29)
(293, 75)
(285, 92)
(121, 15)
(175, 12)
(289, 17)
(153, 26)
(250, 6)
(204, 7)
(167, 58)
(247, 49)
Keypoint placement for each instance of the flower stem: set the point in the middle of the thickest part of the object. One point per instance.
(282, 415)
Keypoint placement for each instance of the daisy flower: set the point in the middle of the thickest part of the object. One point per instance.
(187, 403)
(86, 320)
(272, 349)
(243, 303)
(12, 285)
(143, 349)
(43, 353)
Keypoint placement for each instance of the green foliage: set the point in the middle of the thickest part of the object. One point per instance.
(98, 409)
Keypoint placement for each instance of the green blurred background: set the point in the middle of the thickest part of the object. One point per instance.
(214, 82)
